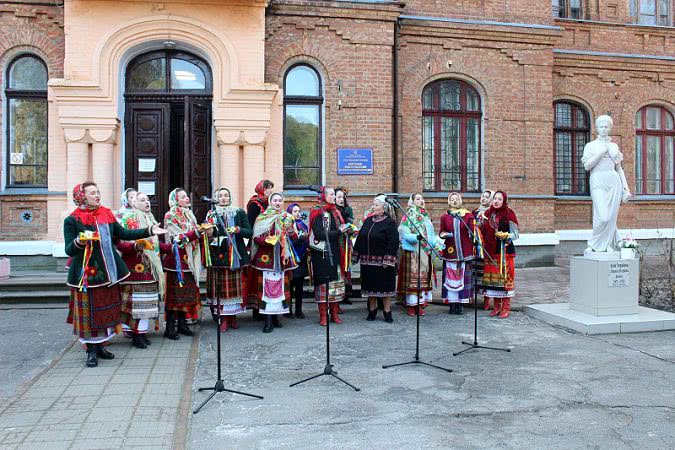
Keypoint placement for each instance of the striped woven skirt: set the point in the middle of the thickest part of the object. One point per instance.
(407, 278)
(182, 299)
(500, 285)
(336, 291)
(140, 305)
(95, 314)
(225, 286)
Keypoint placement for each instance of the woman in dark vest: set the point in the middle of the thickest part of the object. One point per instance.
(96, 269)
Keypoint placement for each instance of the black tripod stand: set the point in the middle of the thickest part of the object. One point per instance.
(219, 386)
(474, 345)
(328, 369)
(420, 238)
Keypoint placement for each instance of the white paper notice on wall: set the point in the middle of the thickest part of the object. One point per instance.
(16, 158)
(147, 187)
(146, 164)
(619, 274)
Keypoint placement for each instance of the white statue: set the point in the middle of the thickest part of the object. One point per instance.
(609, 188)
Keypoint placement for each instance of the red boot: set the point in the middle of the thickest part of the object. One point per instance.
(335, 313)
(497, 308)
(224, 322)
(506, 308)
(486, 303)
(323, 314)
(411, 310)
(233, 322)
(422, 311)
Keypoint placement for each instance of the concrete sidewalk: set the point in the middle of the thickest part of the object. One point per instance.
(132, 401)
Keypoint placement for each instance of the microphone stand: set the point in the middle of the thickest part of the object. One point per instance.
(328, 369)
(220, 385)
(474, 277)
(420, 239)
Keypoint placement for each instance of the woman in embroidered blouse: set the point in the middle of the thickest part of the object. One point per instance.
(143, 289)
(228, 259)
(376, 249)
(272, 254)
(457, 230)
(183, 266)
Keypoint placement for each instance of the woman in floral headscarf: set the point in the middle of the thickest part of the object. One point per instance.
(228, 259)
(300, 245)
(95, 269)
(499, 230)
(126, 200)
(143, 289)
(416, 222)
(256, 205)
(273, 256)
(183, 267)
(457, 230)
(326, 221)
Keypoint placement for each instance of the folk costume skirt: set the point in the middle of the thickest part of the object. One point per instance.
(407, 279)
(457, 282)
(140, 305)
(95, 314)
(276, 292)
(182, 299)
(500, 284)
(224, 286)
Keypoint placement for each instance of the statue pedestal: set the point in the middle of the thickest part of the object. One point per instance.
(604, 287)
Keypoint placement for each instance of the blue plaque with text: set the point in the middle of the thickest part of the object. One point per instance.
(355, 161)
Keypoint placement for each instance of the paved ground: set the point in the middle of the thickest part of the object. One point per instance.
(556, 389)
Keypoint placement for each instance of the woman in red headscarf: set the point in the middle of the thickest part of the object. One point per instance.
(327, 230)
(96, 269)
(499, 227)
(256, 205)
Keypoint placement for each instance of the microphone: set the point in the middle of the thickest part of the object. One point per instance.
(314, 188)
(391, 200)
(206, 199)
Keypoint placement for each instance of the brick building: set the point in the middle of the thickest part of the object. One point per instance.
(449, 95)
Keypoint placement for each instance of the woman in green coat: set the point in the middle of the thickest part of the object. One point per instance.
(95, 269)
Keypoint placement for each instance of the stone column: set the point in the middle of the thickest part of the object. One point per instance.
(103, 164)
(77, 160)
(102, 171)
(229, 172)
(254, 167)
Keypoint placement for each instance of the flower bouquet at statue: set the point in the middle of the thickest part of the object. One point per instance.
(628, 247)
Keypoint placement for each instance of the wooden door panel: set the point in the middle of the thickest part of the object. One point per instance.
(198, 153)
(146, 139)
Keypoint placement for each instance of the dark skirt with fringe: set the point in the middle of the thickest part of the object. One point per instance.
(182, 299)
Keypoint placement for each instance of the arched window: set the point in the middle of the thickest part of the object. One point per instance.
(451, 130)
(168, 71)
(303, 101)
(571, 132)
(654, 151)
(26, 94)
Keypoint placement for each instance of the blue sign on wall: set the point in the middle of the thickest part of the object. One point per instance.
(355, 161)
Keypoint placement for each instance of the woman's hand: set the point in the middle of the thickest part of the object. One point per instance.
(157, 230)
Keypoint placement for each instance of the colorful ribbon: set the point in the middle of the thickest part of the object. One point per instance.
(179, 266)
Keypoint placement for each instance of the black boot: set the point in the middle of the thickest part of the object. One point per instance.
(387, 317)
(144, 336)
(138, 341)
(297, 293)
(298, 309)
(276, 322)
(170, 331)
(257, 315)
(372, 314)
(92, 360)
(269, 326)
(102, 353)
(459, 310)
(183, 326)
(451, 309)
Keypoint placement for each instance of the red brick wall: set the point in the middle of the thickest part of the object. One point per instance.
(37, 29)
(523, 11)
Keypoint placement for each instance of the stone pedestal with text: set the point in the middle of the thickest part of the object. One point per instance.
(604, 287)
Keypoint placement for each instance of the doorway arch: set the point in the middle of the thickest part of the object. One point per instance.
(168, 100)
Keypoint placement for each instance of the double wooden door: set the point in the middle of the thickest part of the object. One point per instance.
(168, 146)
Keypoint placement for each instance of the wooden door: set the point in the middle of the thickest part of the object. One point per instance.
(147, 129)
(197, 159)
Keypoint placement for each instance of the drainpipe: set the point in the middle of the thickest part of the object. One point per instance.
(394, 118)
